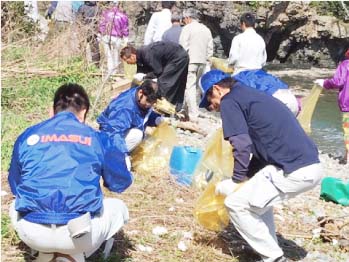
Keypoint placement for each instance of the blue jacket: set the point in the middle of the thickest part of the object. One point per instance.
(122, 114)
(260, 80)
(56, 167)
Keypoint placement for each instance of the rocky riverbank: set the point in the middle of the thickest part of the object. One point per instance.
(294, 32)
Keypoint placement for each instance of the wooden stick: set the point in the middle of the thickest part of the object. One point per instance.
(191, 127)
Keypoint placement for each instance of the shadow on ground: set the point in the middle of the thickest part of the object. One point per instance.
(231, 243)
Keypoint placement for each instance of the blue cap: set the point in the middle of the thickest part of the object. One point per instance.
(207, 81)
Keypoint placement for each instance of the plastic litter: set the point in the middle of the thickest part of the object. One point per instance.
(335, 190)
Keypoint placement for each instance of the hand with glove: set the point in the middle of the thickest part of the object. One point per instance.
(139, 77)
(319, 82)
(227, 187)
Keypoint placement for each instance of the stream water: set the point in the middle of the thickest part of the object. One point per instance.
(327, 119)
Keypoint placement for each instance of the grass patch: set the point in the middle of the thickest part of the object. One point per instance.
(8, 234)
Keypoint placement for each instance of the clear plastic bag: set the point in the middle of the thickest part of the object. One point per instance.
(210, 211)
(308, 106)
(217, 161)
(130, 70)
(221, 64)
(153, 154)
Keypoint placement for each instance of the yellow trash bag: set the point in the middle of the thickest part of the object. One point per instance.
(221, 64)
(308, 107)
(210, 211)
(153, 154)
(129, 70)
(217, 161)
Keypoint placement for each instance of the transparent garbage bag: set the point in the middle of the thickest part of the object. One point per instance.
(210, 211)
(216, 163)
(308, 106)
(154, 152)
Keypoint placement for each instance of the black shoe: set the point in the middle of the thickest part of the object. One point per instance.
(343, 161)
(281, 259)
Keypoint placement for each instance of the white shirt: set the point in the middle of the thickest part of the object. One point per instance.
(158, 24)
(247, 51)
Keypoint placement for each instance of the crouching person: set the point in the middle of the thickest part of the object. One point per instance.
(54, 174)
(284, 159)
(127, 116)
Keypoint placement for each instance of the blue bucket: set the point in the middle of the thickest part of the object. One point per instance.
(183, 162)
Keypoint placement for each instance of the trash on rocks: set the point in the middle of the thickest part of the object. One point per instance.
(143, 248)
(159, 231)
(182, 246)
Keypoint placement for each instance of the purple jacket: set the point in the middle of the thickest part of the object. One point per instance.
(114, 23)
(340, 81)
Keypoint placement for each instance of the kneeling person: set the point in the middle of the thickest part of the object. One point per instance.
(55, 171)
(127, 116)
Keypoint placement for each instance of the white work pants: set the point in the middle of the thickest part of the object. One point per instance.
(133, 138)
(111, 46)
(195, 71)
(251, 207)
(288, 98)
(56, 238)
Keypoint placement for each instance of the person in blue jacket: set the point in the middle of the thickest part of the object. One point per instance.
(271, 85)
(56, 166)
(127, 116)
(284, 163)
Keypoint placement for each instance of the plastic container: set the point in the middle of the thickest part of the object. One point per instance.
(183, 162)
(334, 189)
(210, 211)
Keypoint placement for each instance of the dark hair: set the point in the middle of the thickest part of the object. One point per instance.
(71, 97)
(343, 53)
(176, 17)
(249, 19)
(226, 82)
(150, 90)
(127, 51)
(167, 4)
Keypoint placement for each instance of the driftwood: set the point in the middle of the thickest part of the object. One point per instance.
(191, 127)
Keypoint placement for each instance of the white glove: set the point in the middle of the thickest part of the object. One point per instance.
(159, 120)
(320, 82)
(226, 187)
(139, 77)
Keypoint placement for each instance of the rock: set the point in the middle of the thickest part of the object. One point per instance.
(293, 31)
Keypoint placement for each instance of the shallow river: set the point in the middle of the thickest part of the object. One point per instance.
(326, 122)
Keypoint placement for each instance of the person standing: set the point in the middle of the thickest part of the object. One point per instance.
(285, 161)
(172, 34)
(197, 40)
(247, 51)
(159, 22)
(114, 30)
(55, 172)
(166, 61)
(88, 12)
(340, 81)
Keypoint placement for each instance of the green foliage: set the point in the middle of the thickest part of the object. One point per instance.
(332, 8)
(27, 101)
(15, 25)
(7, 232)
